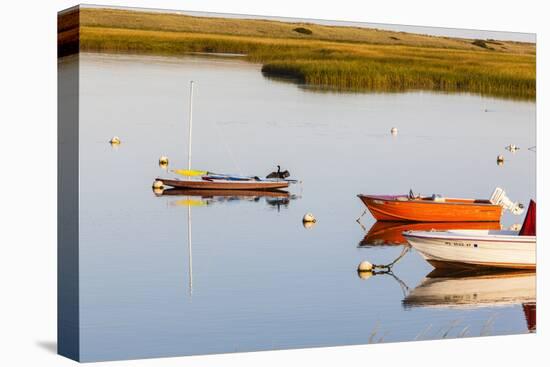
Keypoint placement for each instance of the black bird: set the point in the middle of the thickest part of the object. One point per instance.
(279, 174)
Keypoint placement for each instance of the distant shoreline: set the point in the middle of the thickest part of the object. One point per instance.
(471, 34)
(326, 56)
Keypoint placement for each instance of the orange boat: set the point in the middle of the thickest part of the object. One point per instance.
(407, 208)
(391, 233)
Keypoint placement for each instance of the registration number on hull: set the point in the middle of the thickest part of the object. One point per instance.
(461, 244)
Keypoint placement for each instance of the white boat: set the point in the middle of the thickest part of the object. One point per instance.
(478, 248)
(471, 248)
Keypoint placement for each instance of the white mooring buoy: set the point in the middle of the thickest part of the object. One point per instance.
(394, 131)
(512, 148)
(365, 266)
(163, 161)
(158, 184)
(309, 218)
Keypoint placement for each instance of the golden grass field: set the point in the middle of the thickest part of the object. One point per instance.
(346, 58)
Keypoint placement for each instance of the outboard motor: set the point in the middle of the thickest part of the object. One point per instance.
(499, 198)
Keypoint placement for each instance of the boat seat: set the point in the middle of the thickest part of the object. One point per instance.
(482, 201)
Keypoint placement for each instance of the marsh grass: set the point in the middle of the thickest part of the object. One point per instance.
(341, 58)
(453, 330)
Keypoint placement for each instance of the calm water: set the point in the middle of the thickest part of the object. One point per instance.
(258, 279)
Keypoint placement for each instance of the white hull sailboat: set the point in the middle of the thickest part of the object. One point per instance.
(204, 180)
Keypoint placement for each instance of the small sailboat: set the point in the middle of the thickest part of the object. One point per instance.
(436, 208)
(205, 180)
(479, 248)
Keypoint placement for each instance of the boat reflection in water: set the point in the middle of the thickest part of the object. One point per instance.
(384, 233)
(197, 198)
(474, 289)
(276, 199)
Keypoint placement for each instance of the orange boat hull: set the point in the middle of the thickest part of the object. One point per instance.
(399, 208)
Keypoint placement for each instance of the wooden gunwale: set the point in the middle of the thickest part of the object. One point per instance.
(477, 238)
(224, 185)
(448, 201)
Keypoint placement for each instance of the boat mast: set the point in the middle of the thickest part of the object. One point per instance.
(190, 249)
(190, 124)
(189, 241)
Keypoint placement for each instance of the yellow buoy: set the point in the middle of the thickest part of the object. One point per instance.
(115, 140)
(309, 218)
(163, 161)
(365, 266)
(158, 184)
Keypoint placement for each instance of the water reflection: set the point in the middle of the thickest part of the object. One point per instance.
(275, 199)
(471, 289)
(364, 275)
(467, 289)
(366, 270)
(199, 198)
(132, 284)
(459, 288)
(384, 233)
